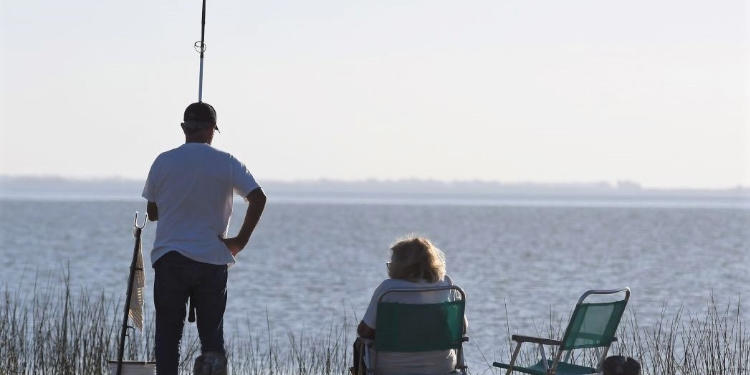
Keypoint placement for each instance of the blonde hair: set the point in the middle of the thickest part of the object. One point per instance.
(415, 259)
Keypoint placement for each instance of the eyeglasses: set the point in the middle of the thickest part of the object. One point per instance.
(388, 265)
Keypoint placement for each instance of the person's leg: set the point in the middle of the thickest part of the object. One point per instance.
(210, 300)
(170, 296)
(358, 365)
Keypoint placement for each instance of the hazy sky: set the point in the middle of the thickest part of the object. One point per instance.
(522, 90)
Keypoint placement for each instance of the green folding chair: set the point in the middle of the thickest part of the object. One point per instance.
(413, 328)
(592, 325)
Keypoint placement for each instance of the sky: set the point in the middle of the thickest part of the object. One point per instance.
(502, 90)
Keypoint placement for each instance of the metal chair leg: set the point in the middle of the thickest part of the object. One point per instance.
(513, 358)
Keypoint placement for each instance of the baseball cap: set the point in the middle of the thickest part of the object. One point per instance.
(199, 115)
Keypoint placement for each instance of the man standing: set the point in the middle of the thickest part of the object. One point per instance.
(189, 191)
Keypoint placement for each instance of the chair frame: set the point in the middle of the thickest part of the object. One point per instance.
(541, 342)
(371, 359)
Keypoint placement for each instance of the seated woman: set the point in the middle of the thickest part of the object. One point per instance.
(415, 263)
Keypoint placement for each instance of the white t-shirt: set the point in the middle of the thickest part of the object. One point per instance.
(431, 362)
(192, 187)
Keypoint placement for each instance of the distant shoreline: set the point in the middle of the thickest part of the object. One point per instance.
(402, 192)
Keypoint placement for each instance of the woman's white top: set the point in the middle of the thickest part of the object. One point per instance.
(395, 363)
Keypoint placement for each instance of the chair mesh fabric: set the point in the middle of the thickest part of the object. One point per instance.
(593, 325)
(419, 327)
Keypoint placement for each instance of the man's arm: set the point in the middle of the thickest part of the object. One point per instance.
(364, 331)
(257, 202)
(152, 211)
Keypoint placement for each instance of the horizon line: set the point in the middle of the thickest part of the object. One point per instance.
(624, 184)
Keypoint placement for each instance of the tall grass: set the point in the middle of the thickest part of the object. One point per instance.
(55, 331)
(716, 342)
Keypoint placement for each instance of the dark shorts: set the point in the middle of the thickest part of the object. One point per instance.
(177, 279)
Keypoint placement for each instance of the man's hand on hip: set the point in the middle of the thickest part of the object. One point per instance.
(256, 202)
(234, 244)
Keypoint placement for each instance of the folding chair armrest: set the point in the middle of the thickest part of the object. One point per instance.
(536, 340)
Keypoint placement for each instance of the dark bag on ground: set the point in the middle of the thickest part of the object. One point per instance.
(619, 365)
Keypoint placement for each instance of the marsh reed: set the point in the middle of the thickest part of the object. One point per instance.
(55, 331)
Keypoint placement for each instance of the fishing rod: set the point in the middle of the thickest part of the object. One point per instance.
(201, 47)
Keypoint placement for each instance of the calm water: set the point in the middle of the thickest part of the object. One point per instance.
(311, 264)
